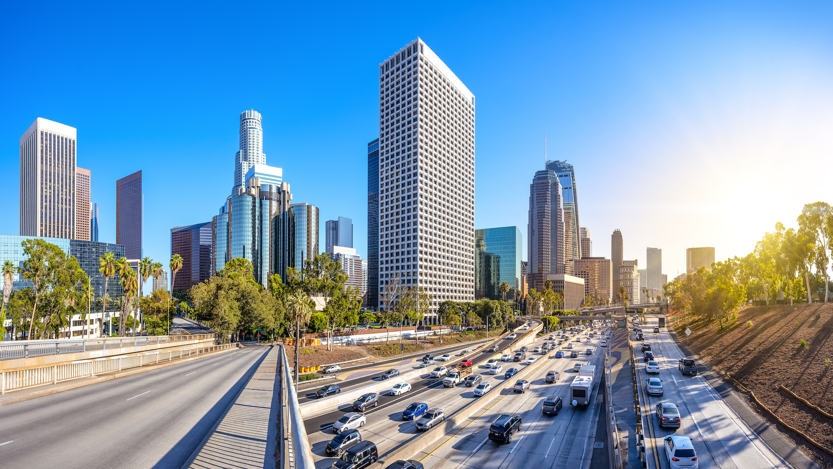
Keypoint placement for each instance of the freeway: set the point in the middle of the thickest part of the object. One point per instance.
(386, 428)
(151, 419)
(720, 438)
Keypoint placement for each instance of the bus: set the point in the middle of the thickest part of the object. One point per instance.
(580, 390)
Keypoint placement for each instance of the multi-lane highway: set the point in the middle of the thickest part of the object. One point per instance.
(151, 419)
(720, 438)
(561, 441)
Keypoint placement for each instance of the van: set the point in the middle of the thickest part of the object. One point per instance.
(688, 366)
(362, 455)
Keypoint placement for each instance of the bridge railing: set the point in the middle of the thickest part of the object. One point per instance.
(296, 452)
(37, 348)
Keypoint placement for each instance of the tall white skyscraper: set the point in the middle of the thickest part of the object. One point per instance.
(251, 146)
(426, 177)
(47, 180)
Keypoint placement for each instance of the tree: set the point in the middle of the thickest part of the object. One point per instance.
(130, 286)
(391, 293)
(8, 279)
(175, 265)
(299, 307)
(38, 269)
(417, 305)
(816, 221)
(366, 318)
(146, 269)
(107, 268)
(449, 313)
(548, 285)
(504, 288)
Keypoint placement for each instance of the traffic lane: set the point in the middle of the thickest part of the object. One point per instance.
(169, 410)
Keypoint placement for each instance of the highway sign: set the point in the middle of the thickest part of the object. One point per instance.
(687, 331)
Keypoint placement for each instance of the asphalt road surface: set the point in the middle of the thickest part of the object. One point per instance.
(154, 419)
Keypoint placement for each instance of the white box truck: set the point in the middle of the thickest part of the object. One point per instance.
(588, 371)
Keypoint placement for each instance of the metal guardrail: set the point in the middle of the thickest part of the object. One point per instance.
(36, 348)
(27, 377)
(295, 452)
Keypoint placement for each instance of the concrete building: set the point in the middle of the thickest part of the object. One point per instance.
(47, 180)
(372, 300)
(162, 283)
(339, 233)
(572, 289)
(193, 244)
(426, 176)
(597, 273)
(93, 221)
(567, 177)
(82, 203)
(629, 278)
(364, 279)
(643, 284)
(251, 146)
(545, 229)
(129, 212)
(616, 253)
(498, 253)
(586, 243)
(654, 269)
(698, 257)
(351, 264)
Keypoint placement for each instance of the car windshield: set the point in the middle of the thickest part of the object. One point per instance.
(669, 411)
(398, 386)
(344, 419)
(684, 453)
(350, 457)
(428, 415)
(655, 382)
(390, 372)
(520, 381)
(551, 373)
(325, 388)
(470, 378)
(363, 398)
(481, 386)
(412, 407)
(339, 439)
(438, 369)
(688, 362)
(653, 363)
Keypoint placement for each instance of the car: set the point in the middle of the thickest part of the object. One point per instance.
(414, 411)
(519, 356)
(430, 418)
(390, 373)
(510, 373)
(482, 389)
(473, 380)
(639, 336)
(668, 415)
(327, 390)
(589, 351)
(654, 387)
(428, 357)
(491, 362)
(656, 330)
(349, 421)
(446, 357)
(342, 442)
(494, 365)
(364, 401)
(688, 366)
(506, 357)
(652, 367)
(496, 370)
(680, 452)
(552, 405)
(439, 372)
(332, 369)
(493, 348)
(559, 354)
(603, 344)
(577, 367)
(552, 376)
(524, 349)
(504, 427)
(578, 339)
(570, 345)
(362, 455)
(573, 354)
(551, 337)
(521, 386)
(511, 337)
(536, 350)
(646, 346)
(649, 355)
(530, 360)
(403, 464)
(526, 328)
(466, 363)
(462, 353)
(399, 388)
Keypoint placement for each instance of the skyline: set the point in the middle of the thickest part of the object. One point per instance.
(732, 98)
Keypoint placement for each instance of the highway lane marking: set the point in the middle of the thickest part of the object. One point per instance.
(10, 441)
(142, 394)
(516, 444)
(548, 448)
(480, 445)
(191, 373)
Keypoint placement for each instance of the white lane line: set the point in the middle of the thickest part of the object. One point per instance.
(1, 444)
(325, 427)
(516, 444)
(481, 445)
(142, 394)
(548, 448)
(675, 379)
(191, 373)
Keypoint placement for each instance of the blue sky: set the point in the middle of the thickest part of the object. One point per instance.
(689, 125)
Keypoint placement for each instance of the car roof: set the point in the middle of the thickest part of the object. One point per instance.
(502, 419)
(668, 404)
(352, 414)
(653, 380)
(435, 409)
(361, 447)
(652, 362)
(682, 442)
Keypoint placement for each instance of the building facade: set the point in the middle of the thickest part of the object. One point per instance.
(162, 282)
(498, 254)
(93, 221)
(545, 229)
(654, 269)
(698, 257)
(597, 273)
(616, 253)
(567, 177)
(339, 233)
(296, 236)
(351, 264)
(193, 244)
(372, 300)
(426, 176)
(571, 289)
(47, 180)
(629, 278)
(251, 146)
(586, 243)
(82, 203)
(129, 208)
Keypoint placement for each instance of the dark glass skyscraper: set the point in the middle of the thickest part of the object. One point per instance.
(339, 233)
(129, 214)
(373, 224)
(497, 259)
(567, 177)
(546, 228)
(193, 244)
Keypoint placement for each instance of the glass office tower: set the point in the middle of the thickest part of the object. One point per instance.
(567, 177)
(373, 224)
(499, 252)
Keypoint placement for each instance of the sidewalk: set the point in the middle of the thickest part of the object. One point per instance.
(623, 405)
(244, 438)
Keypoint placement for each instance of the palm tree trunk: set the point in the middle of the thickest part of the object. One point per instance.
(104, 304)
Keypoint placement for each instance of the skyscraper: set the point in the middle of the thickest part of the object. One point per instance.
(296, 234)
(567, 176)
(193, 244)
(373, 224)
(426, 170)
(497, 259)
(47, 180)
(546, 228)
(616, 253)
(251, 146)
(339, 233)
(93, 221)
(597, 273)
(82, 204)
(351, 264)
(629, 278)
(569, 252)
(698, 257)
(654, 270)
(129, 205)
(586, 243)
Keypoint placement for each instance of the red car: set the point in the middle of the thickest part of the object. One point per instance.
(466, 363)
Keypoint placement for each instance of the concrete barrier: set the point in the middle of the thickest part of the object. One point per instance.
(301, 456)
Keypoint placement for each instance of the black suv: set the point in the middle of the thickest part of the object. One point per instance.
(342, 442)
(427, 357)
(370, 399)
(362, 455)
(327, 390)
(552, 405)
(402, 464)
(473, 380)
(390, 373)
(504, 427)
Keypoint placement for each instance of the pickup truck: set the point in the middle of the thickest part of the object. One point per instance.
(456, 377)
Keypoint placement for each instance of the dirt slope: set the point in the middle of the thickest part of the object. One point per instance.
(766, 354)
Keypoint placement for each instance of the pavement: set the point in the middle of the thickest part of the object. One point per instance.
(183, 326)
(154, 419)
(623, 404)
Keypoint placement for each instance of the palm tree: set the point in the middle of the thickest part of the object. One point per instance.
(146, 267)
(8, 277)
(504, 288)
(548, 285)
(299, 306)
(175, 265)
(622, 293)
(107, 268)
(124, 270)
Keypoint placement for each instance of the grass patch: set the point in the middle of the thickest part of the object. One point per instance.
(748, 323)
(803, 343)
(826, 362)
(308, 351)
(308, 376)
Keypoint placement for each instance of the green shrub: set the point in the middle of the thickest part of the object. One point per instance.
(749, 323)
(308, 377)
(827, 362)
(803, 343)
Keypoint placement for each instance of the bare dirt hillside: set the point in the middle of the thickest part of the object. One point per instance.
(768, 353)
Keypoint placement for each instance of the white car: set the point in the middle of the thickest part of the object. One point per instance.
(536, 350)
(332, 369)
(496, 370)
(577, 367)
(680, 452)
(530, 360)
(494, 365)
(570, 345)
(652, 367)
(444, 358)
(349, 422)
(399, 389)
(491, 362)
(512, 336)
(482, 389)
(506, 358)
(654, 387)
(521, 386)
(439, 372)
(603, 344)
